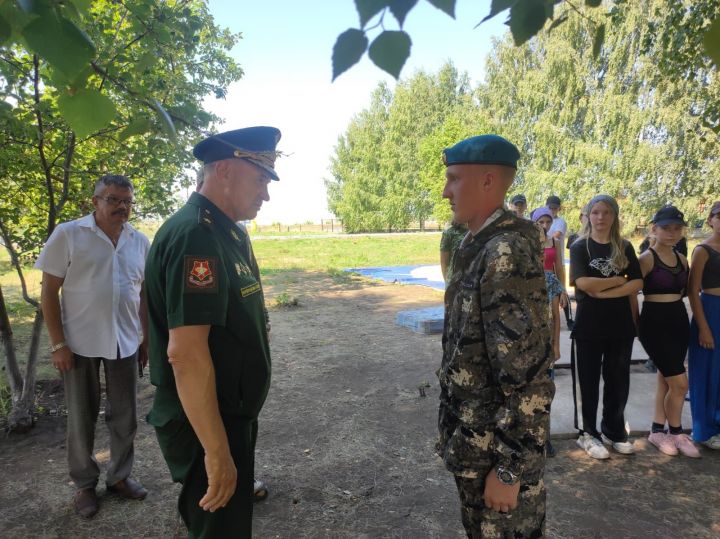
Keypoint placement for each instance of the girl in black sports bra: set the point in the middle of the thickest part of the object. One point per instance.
(704, 356)
(664, 329)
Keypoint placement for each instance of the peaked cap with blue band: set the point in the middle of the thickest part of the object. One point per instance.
(482, 150)
(255, 145)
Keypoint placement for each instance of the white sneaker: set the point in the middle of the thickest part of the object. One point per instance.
(593, 446)
(713, 442)
(624, 448)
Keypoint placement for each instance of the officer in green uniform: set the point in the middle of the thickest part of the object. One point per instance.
(209, 352)
(495, 389)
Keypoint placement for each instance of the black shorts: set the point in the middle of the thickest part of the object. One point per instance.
(665, 333)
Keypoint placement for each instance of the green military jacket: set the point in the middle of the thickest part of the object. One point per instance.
(495, 386)
(199, 272)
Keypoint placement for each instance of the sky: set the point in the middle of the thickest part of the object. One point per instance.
(285, 53)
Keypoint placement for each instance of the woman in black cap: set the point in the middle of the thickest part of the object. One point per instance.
(605, 273)
(664, 329)
(704, 356)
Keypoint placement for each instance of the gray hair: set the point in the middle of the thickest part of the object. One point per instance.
(203, 174)
(112, 179)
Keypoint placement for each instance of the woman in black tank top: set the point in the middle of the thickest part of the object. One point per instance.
(704, 356)
(664, 331)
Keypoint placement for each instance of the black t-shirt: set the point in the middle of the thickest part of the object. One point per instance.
(601, 318)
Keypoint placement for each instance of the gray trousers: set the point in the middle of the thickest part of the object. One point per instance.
(82, 398)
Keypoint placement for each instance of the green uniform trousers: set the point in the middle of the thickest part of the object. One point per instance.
(186, 459)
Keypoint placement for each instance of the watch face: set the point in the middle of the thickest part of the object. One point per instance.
(506, 477)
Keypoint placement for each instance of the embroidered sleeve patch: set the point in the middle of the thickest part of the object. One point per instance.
(201, 273)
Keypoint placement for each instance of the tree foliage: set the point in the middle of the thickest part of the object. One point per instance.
(691, 25)
(88, 88)
(377, 182)
(585, 124)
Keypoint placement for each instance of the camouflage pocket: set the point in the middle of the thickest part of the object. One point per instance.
(468, 449)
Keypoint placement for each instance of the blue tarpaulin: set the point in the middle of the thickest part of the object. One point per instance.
(421, 275)
(428, 320)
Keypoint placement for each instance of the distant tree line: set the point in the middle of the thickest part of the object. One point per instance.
(636, 119)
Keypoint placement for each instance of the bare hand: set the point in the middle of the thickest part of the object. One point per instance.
(63, 359)
(563, 300)
(706, 339)
(222, 481)
(499, 496)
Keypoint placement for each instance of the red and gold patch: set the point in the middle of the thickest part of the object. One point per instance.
(200, 273)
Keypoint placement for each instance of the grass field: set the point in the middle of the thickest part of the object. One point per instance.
(337, 253)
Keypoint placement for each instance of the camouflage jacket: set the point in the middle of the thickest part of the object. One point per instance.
(495, 385)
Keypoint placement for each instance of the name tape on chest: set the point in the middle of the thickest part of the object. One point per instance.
(200, 274)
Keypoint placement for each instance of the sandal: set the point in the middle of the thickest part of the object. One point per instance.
(260, 490)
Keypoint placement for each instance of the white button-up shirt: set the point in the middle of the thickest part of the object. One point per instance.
(101, 288)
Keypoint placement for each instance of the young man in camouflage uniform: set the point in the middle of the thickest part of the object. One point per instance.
(495, 388)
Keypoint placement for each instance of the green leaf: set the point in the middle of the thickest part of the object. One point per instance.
(62, 44)
(711, 41)
(496, 7)
(87, 111)
(593, 3)
(348, 49)
(83, 6)
(526, 19)
(448, 6)
(165, 120)
(26, 5)
(367, 9)
(144, 62)
(400, 9)
(138, 126)
(598, 41)
(390, 50)
(5, 30)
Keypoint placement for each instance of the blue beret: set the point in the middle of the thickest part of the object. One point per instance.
(482, 150)
(253, 144)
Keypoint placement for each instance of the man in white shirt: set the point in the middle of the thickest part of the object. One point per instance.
(99, 263)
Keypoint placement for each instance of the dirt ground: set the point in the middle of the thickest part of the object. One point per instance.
(346, 445)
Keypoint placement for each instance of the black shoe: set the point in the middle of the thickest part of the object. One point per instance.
(549, 450)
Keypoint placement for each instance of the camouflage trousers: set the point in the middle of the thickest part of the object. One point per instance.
(527, 521)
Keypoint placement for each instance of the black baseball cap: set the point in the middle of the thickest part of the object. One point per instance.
(553, 201)
(518, 199)
(669, 215)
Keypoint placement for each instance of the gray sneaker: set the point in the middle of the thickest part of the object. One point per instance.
(624, 448)
(593, 446)
(712, 442)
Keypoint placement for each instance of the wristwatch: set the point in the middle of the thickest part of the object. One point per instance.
(55, 347)
(505, 476)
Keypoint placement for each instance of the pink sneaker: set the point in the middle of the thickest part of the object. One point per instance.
(685, 445)
(663, 442)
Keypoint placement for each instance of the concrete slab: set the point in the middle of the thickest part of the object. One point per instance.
(426, 321)
(638, 412)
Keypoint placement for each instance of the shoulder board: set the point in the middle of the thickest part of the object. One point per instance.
(205, 217)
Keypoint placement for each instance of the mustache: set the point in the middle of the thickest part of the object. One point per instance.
(120, 212)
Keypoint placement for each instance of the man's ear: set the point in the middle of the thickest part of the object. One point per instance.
(222, 169)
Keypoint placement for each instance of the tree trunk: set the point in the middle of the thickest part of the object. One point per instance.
(13, 370)
(22, 415)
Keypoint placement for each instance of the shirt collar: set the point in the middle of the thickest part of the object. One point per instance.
(490, 220)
